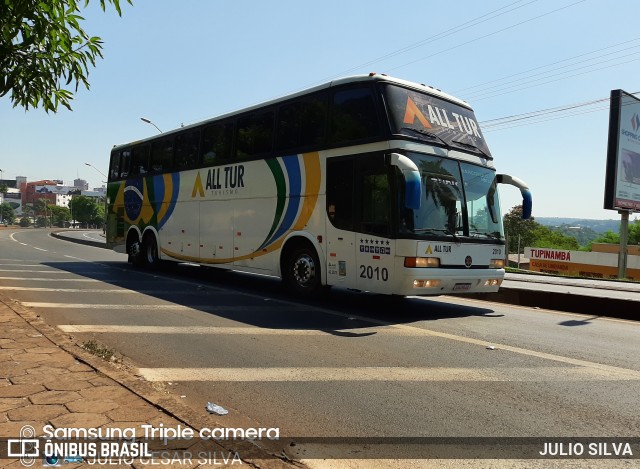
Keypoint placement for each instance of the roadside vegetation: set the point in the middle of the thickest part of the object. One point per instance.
(83, 212)
(529, 233)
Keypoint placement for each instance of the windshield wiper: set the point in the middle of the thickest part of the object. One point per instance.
(438, 230)
(425, 133)
(488, 235)
(473, 147)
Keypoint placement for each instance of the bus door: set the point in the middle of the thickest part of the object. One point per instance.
(374, 246)
(340, 227)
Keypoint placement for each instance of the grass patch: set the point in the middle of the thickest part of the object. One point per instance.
(98, 350)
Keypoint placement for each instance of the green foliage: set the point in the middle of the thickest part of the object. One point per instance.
(27, 210)
(533, 234)
(634, 232)
(584, 235)
(517, 229)
(8, 215)
(43, 50)
(614, 238)
(59, 215)
(39, 206)
(87, 210)
(608, 237)
(547, 238)
(24, 222)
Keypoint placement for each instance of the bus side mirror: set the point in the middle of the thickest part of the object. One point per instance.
(411, 173)
(527, 202)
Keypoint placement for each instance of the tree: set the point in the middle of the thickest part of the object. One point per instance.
(85, 209)
(44, 49)
(634, 232)
(553, 239)
(8, 215)
(27, 211)
(40, 207)
(3, 210)
(609, 237)
(515, 226)
(60, 215)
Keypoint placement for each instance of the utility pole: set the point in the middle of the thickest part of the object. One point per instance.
(624, 240)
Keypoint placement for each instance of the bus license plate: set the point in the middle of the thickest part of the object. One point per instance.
(462, 287)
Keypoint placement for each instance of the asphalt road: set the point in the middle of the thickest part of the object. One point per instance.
(347, 365)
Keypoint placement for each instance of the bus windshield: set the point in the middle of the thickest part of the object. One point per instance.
(459, 199)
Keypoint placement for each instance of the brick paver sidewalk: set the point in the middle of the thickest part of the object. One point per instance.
(45, 381)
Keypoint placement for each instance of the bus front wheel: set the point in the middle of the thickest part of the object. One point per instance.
(302, 270)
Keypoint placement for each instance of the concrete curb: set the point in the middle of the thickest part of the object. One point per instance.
(87, 242)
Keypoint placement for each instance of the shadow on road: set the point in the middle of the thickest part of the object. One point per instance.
(263, 301)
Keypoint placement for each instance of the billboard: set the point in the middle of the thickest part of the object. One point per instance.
(622, 179)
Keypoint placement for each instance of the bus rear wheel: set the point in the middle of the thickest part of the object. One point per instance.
(149, 252)
(301, 271)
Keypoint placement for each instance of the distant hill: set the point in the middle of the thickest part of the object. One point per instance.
(599, 226)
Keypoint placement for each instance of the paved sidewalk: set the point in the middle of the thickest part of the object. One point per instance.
(46, 379)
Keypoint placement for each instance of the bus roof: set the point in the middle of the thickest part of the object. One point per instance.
(377, 77)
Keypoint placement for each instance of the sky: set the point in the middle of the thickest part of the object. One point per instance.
(182, 62)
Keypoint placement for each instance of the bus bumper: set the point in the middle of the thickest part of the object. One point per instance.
(431, 282)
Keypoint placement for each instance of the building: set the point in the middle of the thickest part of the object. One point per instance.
(81, 184)
(30, 194)
(14, 199)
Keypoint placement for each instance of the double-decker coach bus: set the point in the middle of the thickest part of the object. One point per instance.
(368, 182)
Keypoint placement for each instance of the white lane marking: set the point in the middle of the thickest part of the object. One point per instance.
(77, 258)
(56, 279)
(82, 290)
(20, 265)
(39, 249)
(166, 307)
(52, 271)
(522, 351)
(117, 329)
(418, 374)
(621, 372)
(33, 304)
(609, 370)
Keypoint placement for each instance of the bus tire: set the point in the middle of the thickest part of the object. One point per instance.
(134, 253)
(301, 272)
(149, 253)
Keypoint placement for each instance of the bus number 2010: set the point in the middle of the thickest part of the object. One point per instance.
(374, 273)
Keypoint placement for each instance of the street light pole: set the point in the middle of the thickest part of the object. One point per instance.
(148, 121)
(89, 164)
(105, 197)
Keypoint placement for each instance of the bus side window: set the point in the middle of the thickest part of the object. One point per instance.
(301, 123)
(139, 160)
(114, 165)
(254, 134)
(187, 146)
(162, 155)
(125, 164)
(216, 143)
(340, 192)
(353, 116)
